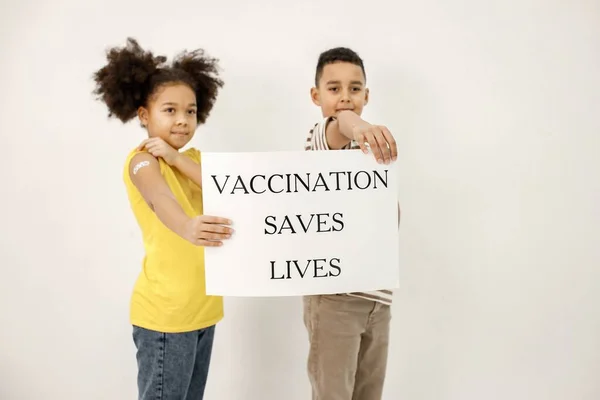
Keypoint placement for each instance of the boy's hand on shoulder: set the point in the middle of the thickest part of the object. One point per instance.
(159, 148)
(205, 230)
(379, 139)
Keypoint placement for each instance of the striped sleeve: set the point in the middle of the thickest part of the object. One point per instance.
(317, 137)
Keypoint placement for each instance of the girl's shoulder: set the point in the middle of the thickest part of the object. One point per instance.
(193, 153)
(139, 163)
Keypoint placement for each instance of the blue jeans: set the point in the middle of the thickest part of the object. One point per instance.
(172, 366)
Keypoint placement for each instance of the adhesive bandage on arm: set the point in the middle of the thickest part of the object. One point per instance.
(140, 165)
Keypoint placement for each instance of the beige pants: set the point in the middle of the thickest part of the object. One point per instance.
(349, 340)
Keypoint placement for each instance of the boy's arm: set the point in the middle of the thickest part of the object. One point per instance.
(144, 171)
(317, 140)
(349, 126)
(339, 132)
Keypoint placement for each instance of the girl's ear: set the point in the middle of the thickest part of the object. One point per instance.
(143, 116)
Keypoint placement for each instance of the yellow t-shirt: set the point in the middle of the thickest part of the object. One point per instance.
(169, 294)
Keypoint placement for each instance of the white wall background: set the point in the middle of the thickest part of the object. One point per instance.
(495, 106)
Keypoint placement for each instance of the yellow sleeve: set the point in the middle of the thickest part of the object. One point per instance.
(194, 154)
(127, 165)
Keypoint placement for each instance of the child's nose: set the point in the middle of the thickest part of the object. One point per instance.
(345, 95)
(181, 119)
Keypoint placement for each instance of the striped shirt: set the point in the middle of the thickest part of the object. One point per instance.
(317, 140)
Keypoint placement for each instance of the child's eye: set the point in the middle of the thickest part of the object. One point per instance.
(333, 89)
(192, 112)
(171, 109)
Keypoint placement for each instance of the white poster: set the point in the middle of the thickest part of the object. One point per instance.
(306, 222)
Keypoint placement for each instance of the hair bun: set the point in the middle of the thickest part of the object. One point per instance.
(123, 83)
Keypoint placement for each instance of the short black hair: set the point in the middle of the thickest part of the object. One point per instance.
(132, 75)
(337, 54)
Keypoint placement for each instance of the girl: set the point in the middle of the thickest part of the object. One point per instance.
(173, 319)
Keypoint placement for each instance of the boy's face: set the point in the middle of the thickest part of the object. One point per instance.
(341, 87)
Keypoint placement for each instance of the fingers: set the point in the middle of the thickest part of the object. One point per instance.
(370, 139)
(391, 142)
(380, 147)
(153, 141)
(209, 219)
(214, 232)
(143, 144)
(382, 143)
(154, 146)
(375, 144)
(214, 228)
(208, 238)
(211, 231)
(361, 140)
(214, 236)
(208, 243)
(154, 149)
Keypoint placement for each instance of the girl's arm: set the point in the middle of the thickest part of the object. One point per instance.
(159, 148)
(202, 230)
(144, 171)
(189, 168)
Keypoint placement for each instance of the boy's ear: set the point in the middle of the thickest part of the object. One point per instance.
(143, 116)
(314, 95)
(366, 96)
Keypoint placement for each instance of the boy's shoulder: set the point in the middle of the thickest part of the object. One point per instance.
(322, 122)
(317, 137)
(320, 127)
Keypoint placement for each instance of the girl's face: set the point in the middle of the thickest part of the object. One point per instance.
(171, 114)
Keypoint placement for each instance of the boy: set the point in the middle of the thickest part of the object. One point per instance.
(348, 333)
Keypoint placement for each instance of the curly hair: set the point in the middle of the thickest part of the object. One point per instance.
(132, 76)
(337, 54)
